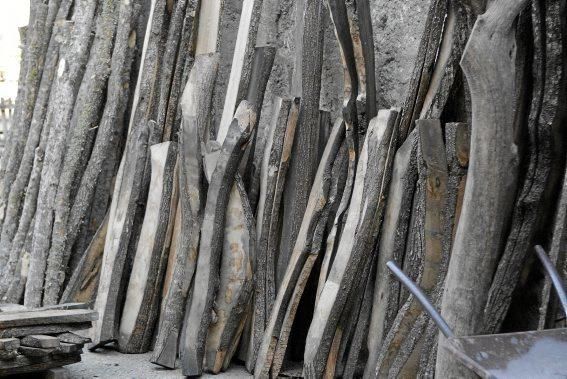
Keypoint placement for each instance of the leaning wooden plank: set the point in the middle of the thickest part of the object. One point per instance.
(40, 340)
(70, 71)
(86, 115)
(15, 292)
(432, 168)
(392, 246)
(28, 167)
(268, 179)
(424, 64)
(543, 125)
(490, 72)
(111, 124)
(136, 325)
(40, 317)
(331, 243)
(285, 306)
(83, 284)
(304, 165)
(195, 106)
(121, 217)
(23, 365)
(206, 275)
(457, 143)
(44, 329)
(236, 280)
(267, 282)
(241, 63)
(363, 221)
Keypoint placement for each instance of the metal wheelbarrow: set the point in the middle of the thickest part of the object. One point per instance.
(533, 354)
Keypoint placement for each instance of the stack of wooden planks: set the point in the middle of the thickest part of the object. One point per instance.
(35, 340)
(227, 180)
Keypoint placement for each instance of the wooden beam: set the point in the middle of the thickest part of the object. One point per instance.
(40, 317)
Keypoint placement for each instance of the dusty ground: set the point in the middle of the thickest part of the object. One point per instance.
(111, 364)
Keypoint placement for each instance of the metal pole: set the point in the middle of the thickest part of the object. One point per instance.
(554, 275)
(422, 298)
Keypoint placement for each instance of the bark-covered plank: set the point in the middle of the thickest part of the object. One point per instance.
(363, 221)
(295, 279)
(121, 217)
(206, 275)
(140, 309)
(195, 106)
(490, 71)
(39, 317)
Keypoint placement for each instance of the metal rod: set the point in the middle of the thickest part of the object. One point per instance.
(554, 275)
(422, 298)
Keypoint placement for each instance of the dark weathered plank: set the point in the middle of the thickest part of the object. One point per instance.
(121, 217)
(195, 106)
(140, 309)
(392, 246)
(490, 72)
(285, 306)
(206, 275)
(432, 166)
(363, 221)
(303, 166)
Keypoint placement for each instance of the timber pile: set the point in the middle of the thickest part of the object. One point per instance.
(179, 171)
(35, 340)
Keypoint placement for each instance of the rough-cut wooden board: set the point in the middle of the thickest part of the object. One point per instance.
(301, 263)
(432, 167)
(207, 34)
(44, 329)
(362, 224)
(392, 246)
(40, 340)
(41, 317)
(235, 280)
(206, 275)
(83, 285)
(490, 70)
(121, 217)
(138, 317)
(195, 105)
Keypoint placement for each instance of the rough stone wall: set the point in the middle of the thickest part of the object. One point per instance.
(397, 28)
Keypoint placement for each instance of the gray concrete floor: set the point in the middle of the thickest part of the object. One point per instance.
(106, 363)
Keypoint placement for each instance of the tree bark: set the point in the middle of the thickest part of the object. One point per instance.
(488, 59)
(70, 71)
